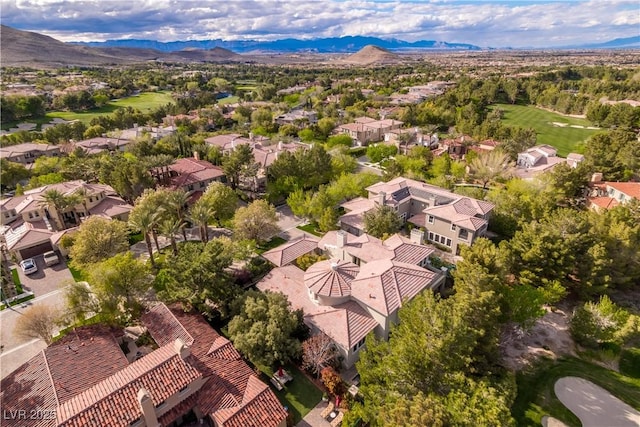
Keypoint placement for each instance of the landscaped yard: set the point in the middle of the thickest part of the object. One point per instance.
(300, 395)
(560, 135)
(273, 243)
(77, 274)
(144, 102)
(16, 281)
(312, 228)
(536, 397)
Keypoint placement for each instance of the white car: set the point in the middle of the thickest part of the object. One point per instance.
(28, 266)
(51, 258)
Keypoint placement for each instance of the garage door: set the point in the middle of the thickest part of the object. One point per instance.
(36, 250)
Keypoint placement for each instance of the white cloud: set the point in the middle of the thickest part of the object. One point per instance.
(486, 23)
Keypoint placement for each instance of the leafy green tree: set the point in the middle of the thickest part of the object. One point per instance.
(264, 329)
(381, 221)
(258, 222)
(325, 127)
(615, 154)
(238, 163)
(596, 323)
(222, 200)
(339, 140)
(121, 283)
(197, 277)
(378, 152)
(98, 239)
(11, 173)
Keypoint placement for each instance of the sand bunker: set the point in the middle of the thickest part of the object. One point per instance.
(595, 406)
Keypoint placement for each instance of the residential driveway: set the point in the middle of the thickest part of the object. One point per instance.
(288, 222)
(595, 406)
(46, 279)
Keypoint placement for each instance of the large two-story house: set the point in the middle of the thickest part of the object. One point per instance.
(29, 222)
(359, 289)
(365, 130)
(445, 218)
(98, 376)
(27, 153)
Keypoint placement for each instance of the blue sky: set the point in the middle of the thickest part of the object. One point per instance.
(495, 23)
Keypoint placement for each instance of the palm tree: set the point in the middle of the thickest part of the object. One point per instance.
(175, 204)
(56, 200)
(144, 219)
(488, 167)
(169, 228)
(200, 214)
(82, 194)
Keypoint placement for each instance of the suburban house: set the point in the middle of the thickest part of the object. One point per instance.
(28, 152)
(296, 117)
(358, 290)
(416, 138)
(102, 143)
(190, 174)
(265, 151)
(606, 195)
(445, 218)
(28, 222)
(98, 376)
(365, 129)
(542, 158)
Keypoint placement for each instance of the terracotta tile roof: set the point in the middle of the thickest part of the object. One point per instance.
(113, 402)
(602, 202)
(631, 189)
(331, 277)
(164, 327)
(256, 409)
(386, 284)
(95, 355)
(290, 251)
(191, 171)
(406, 251)
(110, 207)
(29, 386)
(226, 373)
(346, 323)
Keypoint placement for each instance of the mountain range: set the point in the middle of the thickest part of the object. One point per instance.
(349, 44)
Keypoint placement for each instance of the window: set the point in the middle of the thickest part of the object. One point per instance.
(190, 187)
(355, 260)
(358, 346)
(464, 234)
(90, 199)
(30, 215)
(448, 242)
(202, 184)
(36, 214)
(430, 219)
(430, 235)
(453, 227)
(7, 215)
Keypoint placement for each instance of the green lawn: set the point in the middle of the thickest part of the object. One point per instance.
(273, 243)
(228, 100)
(78, 275)
(536, 397)
(566, 139)
(312, 228)
(16, 281)
(300, 395)
(144, 102)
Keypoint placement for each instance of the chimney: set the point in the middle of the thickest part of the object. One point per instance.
(382, 197)
(196, 155)
(148, 409)
(341, 238)
(417, 236)
(596, 177)
(181, 348)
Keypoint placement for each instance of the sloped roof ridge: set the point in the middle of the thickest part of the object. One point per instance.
(115, 382)
(53, 385)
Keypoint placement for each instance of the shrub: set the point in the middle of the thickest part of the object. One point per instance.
(332, 380)
(630, 362)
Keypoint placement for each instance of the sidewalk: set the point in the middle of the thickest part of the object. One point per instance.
(313, 418)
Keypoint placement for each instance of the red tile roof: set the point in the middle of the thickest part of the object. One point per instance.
(331, 277)
(226, 373)
(631, 189)
(289, 252)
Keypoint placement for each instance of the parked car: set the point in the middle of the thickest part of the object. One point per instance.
(28, 266)
(51, 258)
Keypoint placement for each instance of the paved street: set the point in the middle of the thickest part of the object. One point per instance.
(15, 351)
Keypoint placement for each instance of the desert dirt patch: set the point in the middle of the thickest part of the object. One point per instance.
(548, 337)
